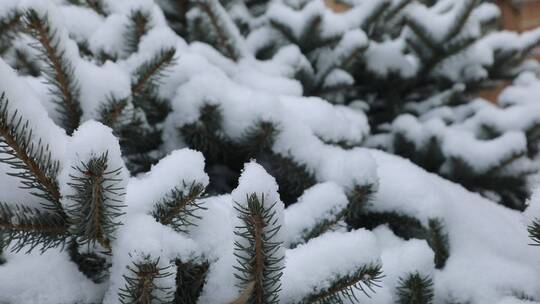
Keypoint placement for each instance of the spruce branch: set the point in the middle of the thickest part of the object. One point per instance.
(138, 26)
(415, 289)
(375, 14)
(257, 255)
(178, 209)
(460, 19)
(59, 72)
(95, 5)
(292, 177)
(138, 140)
(344, 287)
(9, 25)
(438, 241)
(93, 265)
(31, 162)
(190, 280)
(360, 198)
(259, 138)
(29, 228)
(147, 78)
(323, 226)
(149, 74)
(112, 112)
(96, 206)
(206, 136)
(534, 232)
(141, 286)
(228, 36)
(26, 65)
(2, 245)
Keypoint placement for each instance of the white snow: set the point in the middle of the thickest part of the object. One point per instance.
(301, 277)
(325, 201)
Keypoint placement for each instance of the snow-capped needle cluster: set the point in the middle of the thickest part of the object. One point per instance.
(229, 152)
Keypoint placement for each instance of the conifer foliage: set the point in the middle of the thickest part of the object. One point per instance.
(229, 151)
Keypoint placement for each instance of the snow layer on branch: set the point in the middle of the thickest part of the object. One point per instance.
(439, 20)
(464, 145)
(254, 180)
(177, 170)
(332, 24)
(533, 206)
(310, 267)
(215, 232)
(457, 142)
(525, 90)
(481, 234)
(99, 83)
(389, 57)
(91, 140)
(109, 36)
(25, 100)
(322, 202)
(141, 234)
(512, 41)
(400, 257)
(73, 16)
(301, 123)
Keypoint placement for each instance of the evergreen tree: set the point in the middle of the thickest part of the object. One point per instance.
(283, 101)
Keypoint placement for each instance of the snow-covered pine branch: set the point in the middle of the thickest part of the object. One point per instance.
(287, 199)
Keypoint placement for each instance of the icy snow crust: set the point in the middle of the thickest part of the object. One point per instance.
(490, 257)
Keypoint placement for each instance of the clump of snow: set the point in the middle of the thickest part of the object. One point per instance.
(322, 202)
(180, 169)
(309, 267)
(23, 99)
(90, 141)
(481, 234)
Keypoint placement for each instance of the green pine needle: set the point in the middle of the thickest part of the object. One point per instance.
(415, 289)
(93, 265)
(139, 25)
(322, 227)
(360, 198)
(59, 71)
(258, 261)
(146, 80)
(438, 241)
(31, 162)
(28, 228)
(9, 26)
(149, 73)
(96, 5)
(141, 286)
(534, 232)
(178, 209)
(112, 112)
(343, 288)
(190, 280)
(94, 214)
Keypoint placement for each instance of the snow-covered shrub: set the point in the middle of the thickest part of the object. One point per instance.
(412, 66)
(104, 198)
